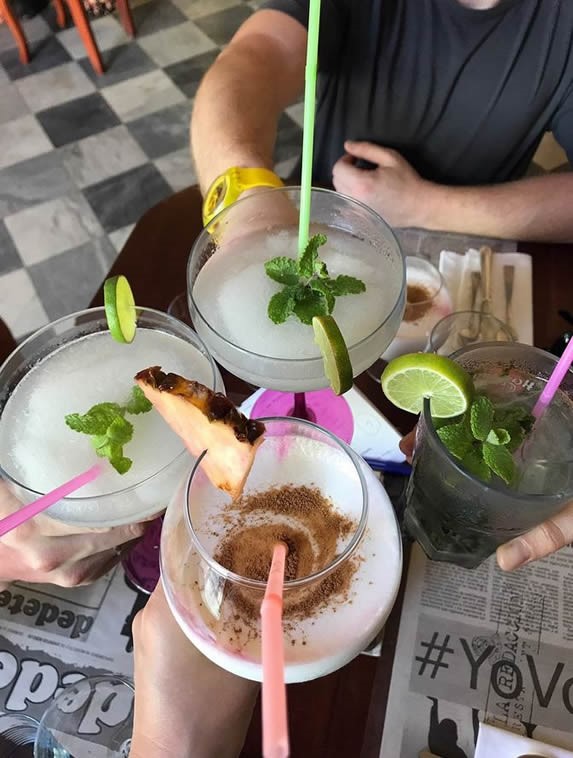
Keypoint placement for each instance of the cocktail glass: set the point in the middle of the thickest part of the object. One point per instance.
(68, 366)
(229, 292)
(458, 517)
(463, 328)
(218, 609)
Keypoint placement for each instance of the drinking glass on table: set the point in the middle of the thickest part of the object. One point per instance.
(93, 716)
(463, 328)
(229, 293)
(456, 515)
(310, 490)
(69, 366)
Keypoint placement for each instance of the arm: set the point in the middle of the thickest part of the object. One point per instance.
(537, 208)
(241, 97)
(185, 706)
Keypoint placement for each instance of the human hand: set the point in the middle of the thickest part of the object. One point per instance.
(393, 189)
(538, 542)
(185, 706)
(46, 550)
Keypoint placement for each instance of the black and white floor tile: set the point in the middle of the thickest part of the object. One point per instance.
(82, 156)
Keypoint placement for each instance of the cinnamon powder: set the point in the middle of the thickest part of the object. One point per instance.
(418, 302)
(312, 530)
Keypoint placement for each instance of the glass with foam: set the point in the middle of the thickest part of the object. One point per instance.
(344, 564)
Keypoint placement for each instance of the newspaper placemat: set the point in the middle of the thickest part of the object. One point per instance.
(481, 646)
(52, 636)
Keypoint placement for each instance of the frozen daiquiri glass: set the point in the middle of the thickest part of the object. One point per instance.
(70, 366)
(343, 567)
(359, 275)
(500, 474)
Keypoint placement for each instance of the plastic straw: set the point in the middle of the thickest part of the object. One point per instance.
(308, 123)
(557, 375)
(275, 724)
(39, 505)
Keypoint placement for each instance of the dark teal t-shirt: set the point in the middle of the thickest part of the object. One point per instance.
(464, 95)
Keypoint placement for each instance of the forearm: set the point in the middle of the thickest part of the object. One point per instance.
(241, 97)
(537, 208)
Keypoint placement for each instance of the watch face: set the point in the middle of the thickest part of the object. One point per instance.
(215, 196)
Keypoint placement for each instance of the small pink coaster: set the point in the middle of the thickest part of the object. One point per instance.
(328, 410)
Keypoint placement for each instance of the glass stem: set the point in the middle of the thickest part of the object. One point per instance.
(300, 410)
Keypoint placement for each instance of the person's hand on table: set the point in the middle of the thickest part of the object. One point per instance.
(45, 550)
(185, 706)
(542, 540)
(393, 189)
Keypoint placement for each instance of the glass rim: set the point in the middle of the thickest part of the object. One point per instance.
(464, 473)
(441, 283)
(477, 314)
(100, 310)
(304, 581)
(205, 233)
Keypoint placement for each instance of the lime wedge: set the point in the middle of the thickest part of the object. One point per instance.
(119, 308)
(337, 366)
(408, 379)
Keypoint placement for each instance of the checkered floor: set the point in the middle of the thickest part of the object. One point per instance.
(83, 157)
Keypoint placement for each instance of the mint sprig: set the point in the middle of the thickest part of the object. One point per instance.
(308, 289)
(109, 430)
(485, 438)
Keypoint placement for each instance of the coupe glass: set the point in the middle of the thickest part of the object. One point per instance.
(169, 341)
(229, 293)
(335, 604)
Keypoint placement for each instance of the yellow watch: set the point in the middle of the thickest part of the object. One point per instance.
(228, 186)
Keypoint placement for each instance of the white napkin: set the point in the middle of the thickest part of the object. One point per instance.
(456, 269)
(498, 742)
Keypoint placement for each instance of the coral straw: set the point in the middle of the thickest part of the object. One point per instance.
(39, 505)
(557, 375)
(275, 726)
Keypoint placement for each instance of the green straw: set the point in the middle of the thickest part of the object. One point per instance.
(308, 123)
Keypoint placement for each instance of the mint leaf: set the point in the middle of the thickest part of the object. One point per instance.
(516, 435)
(498, 436)
(281, 305)
(283, 270)
(347, 285)
(323, 286)
(96, 420)
(456, 438)
(121, 464)
(476, 465)
(308, 257)
(310, 303)
(499, 460)
(120, 431)
(320, 269)
(137, 403)
(481, 417)
(108, 428)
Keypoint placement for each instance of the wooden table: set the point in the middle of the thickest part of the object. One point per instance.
(340, 715)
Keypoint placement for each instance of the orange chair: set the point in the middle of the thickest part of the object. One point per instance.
(81, 21)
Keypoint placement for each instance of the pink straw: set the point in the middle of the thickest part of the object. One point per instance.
(275, 725)
(39, 505)
(557, 375)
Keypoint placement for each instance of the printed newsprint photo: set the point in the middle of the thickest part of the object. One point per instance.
(51, 637)
(481, 646)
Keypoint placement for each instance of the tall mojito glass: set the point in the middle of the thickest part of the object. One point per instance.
(68, 367)
(458, 517)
